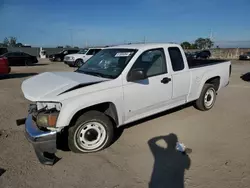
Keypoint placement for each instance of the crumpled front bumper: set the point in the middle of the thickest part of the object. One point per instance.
(44, 142)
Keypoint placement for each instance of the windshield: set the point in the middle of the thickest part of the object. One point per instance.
(83, 51)
(108, 63)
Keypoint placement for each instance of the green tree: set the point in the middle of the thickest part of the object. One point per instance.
(186, 45)
(12, 41)
(6, 41)
(203, 43)
(194, 46)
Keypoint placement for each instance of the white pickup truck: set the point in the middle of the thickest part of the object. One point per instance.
(117, 86)
(78, 59)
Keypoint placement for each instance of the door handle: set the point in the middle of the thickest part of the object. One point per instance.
(165, 80)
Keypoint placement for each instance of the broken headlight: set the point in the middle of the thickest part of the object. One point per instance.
(47, 118)
(47, 113)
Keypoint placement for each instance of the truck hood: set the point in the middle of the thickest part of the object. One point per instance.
(48, 85)
(76, 55)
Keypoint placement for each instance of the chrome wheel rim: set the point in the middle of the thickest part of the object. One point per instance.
(209, 98)
(91, 135)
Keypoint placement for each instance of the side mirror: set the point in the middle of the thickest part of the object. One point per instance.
(137, 74)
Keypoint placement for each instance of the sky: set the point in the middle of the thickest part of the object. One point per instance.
(99, 22)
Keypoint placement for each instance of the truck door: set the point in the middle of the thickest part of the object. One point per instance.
(152, 94)
(180, 75)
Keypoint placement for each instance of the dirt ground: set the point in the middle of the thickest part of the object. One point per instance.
(219, 140)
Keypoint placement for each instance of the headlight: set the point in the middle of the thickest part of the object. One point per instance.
(47, 119)
(49, 105)
(47, 113)
(72, 58)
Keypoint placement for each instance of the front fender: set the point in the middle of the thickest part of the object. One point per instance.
(72, 106)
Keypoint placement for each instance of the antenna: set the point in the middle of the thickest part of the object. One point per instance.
(211, 35)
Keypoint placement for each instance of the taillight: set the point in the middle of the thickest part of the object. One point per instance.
(4, 60)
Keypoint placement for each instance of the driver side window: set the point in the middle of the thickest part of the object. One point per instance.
(152, 62)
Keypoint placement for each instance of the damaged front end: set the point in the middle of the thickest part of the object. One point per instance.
(41, 131)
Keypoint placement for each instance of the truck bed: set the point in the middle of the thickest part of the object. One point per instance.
(195, 63)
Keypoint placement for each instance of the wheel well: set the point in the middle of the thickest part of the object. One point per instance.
(107, 108)
(215, 81)
(78, 59)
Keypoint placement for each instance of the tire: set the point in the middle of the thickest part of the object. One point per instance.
(28, 63)
(92, 132)
(78, 62)
(207, 98)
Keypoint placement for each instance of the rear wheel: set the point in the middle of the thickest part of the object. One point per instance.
(93, 131)
(28, 62)
(207, 98)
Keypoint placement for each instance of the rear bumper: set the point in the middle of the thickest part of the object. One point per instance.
(244, 58)
(44, 142)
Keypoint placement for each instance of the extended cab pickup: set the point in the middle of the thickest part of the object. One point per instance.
(117, 86)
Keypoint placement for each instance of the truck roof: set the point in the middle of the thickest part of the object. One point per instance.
(146, 46)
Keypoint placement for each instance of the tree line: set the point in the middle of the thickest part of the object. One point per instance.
(200, 43)
(11, 42)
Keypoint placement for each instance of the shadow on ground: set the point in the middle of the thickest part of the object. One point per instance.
(169, 164)
(246, 77)
(16, 75)
(2, 171)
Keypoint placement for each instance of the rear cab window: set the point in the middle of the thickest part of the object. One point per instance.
(176, 59)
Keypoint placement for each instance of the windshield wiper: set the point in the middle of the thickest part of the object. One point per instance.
(96, 74)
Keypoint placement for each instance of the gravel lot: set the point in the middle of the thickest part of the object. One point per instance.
(219, 140)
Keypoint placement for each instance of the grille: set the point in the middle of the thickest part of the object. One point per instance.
(66, 58)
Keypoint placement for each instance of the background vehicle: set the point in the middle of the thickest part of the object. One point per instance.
(4, 66)
(20, 58)
(60, 56)
(3, 51)
(117, 86)
(78, 59)
(245, 56)
(204, 54)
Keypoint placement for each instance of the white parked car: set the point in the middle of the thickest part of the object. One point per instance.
(117, 86)
(78, 59)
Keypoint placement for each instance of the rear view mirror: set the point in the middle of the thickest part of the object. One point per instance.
(137, 74)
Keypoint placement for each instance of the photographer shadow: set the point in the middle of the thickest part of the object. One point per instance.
(169, 164)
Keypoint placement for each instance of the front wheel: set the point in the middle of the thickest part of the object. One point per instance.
(92, 132)
(78, 62)
(207, 98)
